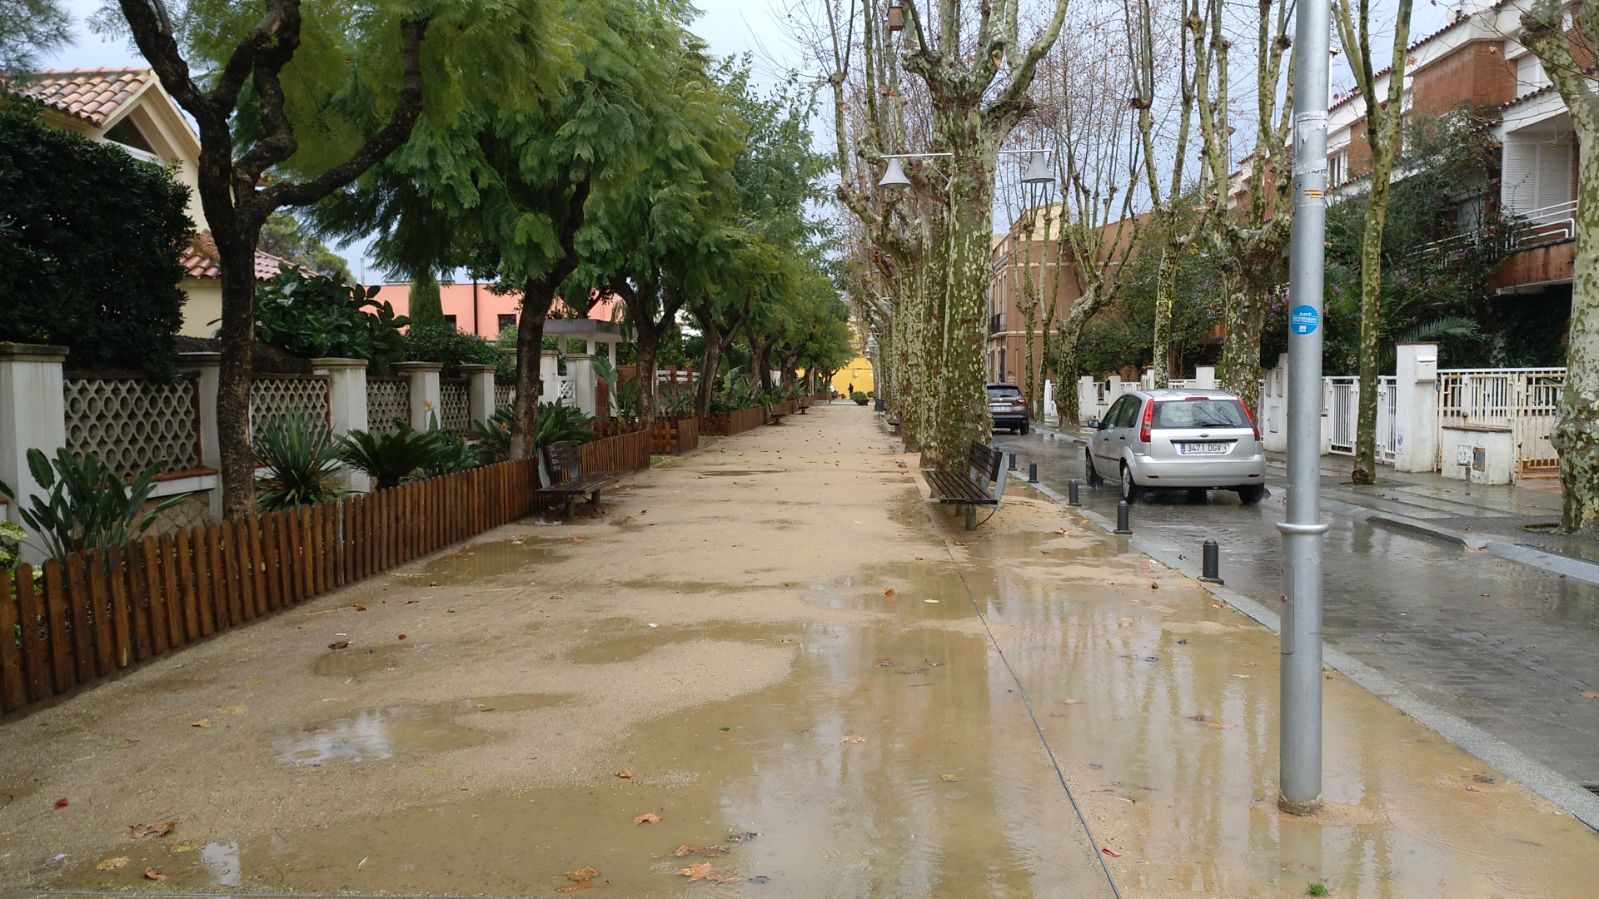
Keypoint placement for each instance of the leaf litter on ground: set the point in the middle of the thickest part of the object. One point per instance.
(156, 829)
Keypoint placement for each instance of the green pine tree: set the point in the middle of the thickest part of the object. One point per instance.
(427, 310)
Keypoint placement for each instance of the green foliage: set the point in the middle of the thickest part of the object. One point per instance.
(89, 245)
(556, 422)
(301, 463)
(87, 505)
(390, 458)
(859, 397)
(451, 451)
(426, 309)
(11, 537)
(285, 237)
(444, 344)
(1316, 888)
(1440, 247)
(492, 439)
(30, 29)
(312, 316)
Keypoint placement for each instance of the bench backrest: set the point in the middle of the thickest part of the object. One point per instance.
(985, 461)
(560, 460)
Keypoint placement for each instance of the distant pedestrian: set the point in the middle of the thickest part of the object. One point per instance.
(851, 389)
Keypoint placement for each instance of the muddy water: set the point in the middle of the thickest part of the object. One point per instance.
(900, 759)
(476, 561)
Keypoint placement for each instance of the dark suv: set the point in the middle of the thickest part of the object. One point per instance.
(1007, 407)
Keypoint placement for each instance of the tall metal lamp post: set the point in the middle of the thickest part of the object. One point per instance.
(1299, 788)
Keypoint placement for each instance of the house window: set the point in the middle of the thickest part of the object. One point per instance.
(507, 320)
(449, 320)
(1530, 75)
(1338, 168)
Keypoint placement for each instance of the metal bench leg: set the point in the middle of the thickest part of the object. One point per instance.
(594, 498)
(571, 505)
(971, 518)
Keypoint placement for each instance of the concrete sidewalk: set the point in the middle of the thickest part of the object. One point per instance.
(772, 665)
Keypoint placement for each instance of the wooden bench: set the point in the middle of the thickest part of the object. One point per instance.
(561, 475)
(774, 417)
(982, 484)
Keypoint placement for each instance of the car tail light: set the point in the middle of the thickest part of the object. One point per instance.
(1249, 415)
(1149, 419)
(1021, 401)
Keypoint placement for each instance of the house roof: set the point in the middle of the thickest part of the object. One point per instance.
(93, 95)
(200, 261)
(1416, 44)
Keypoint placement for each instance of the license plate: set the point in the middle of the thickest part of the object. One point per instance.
(998, 407)
(1203, 449)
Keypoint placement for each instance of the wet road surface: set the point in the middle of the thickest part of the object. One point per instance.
(1503, 646)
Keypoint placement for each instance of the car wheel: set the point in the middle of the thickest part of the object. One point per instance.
(1250, 494)
(1130, 491)
(1025, 427)
(1196, 494)
(1089, 474)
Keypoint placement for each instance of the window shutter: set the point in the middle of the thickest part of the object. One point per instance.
(1554, 173)
(1517, 184)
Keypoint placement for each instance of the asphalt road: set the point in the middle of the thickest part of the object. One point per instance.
(1508, 648)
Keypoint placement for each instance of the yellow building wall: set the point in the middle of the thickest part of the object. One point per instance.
(857, 372)
(202, 311)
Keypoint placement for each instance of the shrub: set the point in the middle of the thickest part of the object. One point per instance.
(556, 422)
(11, 537)
(444, 344)
(451, 451)
(425, 307)
(89, 245)
(859, 397)
(388, 458)
(302, 463)
(322, 316)
(87, 505)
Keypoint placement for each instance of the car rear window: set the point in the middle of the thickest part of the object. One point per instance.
(1185, 414)
(1000, 392)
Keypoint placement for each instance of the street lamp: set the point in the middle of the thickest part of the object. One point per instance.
(896, 15)
(1036, 174)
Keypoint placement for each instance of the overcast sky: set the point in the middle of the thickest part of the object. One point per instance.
(729, 26)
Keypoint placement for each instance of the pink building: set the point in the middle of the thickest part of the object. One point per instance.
(476, 309)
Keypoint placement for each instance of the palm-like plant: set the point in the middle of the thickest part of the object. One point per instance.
(87, 504)
(302, 464)
(451, 451)
(388, 458)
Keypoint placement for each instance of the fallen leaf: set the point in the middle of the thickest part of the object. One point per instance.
(111, 864)
(1243, 676)
(1483, 779)
(1071, 702)
(62, 802)
(697, 871)
(1110, 852)
(851, 739)
(152, 874)
(203, 722)
(359, 607)
(647, 818)
(1220, 725)
(1251, 664)
(889, 592)
(625, 774)
(1063, 532)
(683, 851)
(578, 887)
(958, 542)
(885, 663)
(715, 877)
(933, 601)
(1057, 714)
(158, 829)
(339, 644)
(1589, 694)
(233, 710)
(127, 744)
(584, 873)
(1199, 718)
(402, 636)
(741, 836)
(1154, 586)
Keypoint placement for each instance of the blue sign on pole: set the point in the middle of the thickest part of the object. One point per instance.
(1304, 320)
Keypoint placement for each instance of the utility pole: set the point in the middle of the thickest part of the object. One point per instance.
(1299, 742)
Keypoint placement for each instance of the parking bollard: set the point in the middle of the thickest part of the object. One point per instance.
(1012, 461)
(1032, 472)
(1122, 525)
(1072, 498)
(1210, 568)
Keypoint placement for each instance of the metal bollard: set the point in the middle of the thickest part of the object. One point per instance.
(1012, 461)
(1072, 499)
(1032, 472)
(1210, 567)
(1122, 525)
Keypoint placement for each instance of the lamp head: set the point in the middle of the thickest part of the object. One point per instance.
(894, 175)
(1037, 169)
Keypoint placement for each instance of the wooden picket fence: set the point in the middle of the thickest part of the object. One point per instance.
(734, 422)
(672, 436)
(96, 614)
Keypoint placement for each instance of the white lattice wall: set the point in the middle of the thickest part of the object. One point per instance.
(132, 423)
(272, 399)
(387, 400)
(455, 408)
(504, 395)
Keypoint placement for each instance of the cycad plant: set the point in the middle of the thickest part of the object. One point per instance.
(451, 451)
(388, 458)
(87, 505)
(301, 462)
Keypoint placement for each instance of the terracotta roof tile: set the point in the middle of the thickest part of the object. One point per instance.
(92, 95)
(199, 261)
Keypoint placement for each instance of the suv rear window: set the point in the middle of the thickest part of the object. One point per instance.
(1191, 414)
(1002, 391)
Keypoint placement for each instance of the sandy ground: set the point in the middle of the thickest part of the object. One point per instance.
(819, 683)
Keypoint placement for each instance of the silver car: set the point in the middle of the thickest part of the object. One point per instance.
(1196, 440)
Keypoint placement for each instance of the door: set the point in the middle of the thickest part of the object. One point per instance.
(1107, 442)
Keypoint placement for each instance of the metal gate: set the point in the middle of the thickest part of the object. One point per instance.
(1524, 401)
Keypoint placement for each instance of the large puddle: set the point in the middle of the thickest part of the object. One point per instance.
(899, 759)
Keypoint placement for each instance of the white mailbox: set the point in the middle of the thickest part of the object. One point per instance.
(1427, 364)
